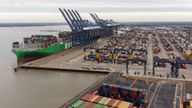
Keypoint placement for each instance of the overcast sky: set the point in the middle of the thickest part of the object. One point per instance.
(119, 10)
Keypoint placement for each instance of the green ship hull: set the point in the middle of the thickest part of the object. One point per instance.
(25, 56)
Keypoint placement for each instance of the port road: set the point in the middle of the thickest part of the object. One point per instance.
(163, 54)
(150, 54)
(187, 72)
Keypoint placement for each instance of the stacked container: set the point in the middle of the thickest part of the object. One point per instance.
(66, 45)
(70, 43)
(124, 93)
(187, 101)
(104, 101)
(85, 104)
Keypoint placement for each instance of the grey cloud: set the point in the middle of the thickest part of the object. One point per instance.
(95, 9)
(96, 5)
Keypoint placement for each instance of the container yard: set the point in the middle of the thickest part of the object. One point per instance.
(133, 52)
(148, 66)
(115, 91)
(147, 69)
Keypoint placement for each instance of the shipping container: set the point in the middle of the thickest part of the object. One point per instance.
(111, 102)
(98, 106)
(181, 105)
(190, 103)
(77, 103)
(70, 43)
(94, 98)
(187, 101)
(117, 103)
(86, 104)
(86, 97)
(91, 105)
(124, 105)
(106, 101)
(124, 93)
(66, 45)
(103, 100)
(188, 97)
(184, 102)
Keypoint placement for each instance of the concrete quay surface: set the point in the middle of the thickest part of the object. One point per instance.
(70, 59)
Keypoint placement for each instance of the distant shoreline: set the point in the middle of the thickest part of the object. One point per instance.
(29, 24)
(158, 23)
(125, 23)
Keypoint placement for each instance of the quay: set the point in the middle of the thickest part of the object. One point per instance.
(146, 66)
(108, 47)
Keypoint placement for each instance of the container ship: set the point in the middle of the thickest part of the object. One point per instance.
(38, 46)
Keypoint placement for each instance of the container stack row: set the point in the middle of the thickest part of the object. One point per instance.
(95, 101)
(156, 48)
(187, 101)
(124, 93)
(165, 43)
(84, 104)
(118, 49)
(68, 45)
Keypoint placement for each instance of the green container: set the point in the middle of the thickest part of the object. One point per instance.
(98, 106)
(71, 45)
(63, 46)
(105, 107)
(77, 103)
(84, 105)
(66, 45)
(188, 97)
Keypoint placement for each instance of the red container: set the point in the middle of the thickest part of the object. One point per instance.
(124, 93)
(84, 105)
(190, 96)
(86, 97)
(184, 102)
(91, 105)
